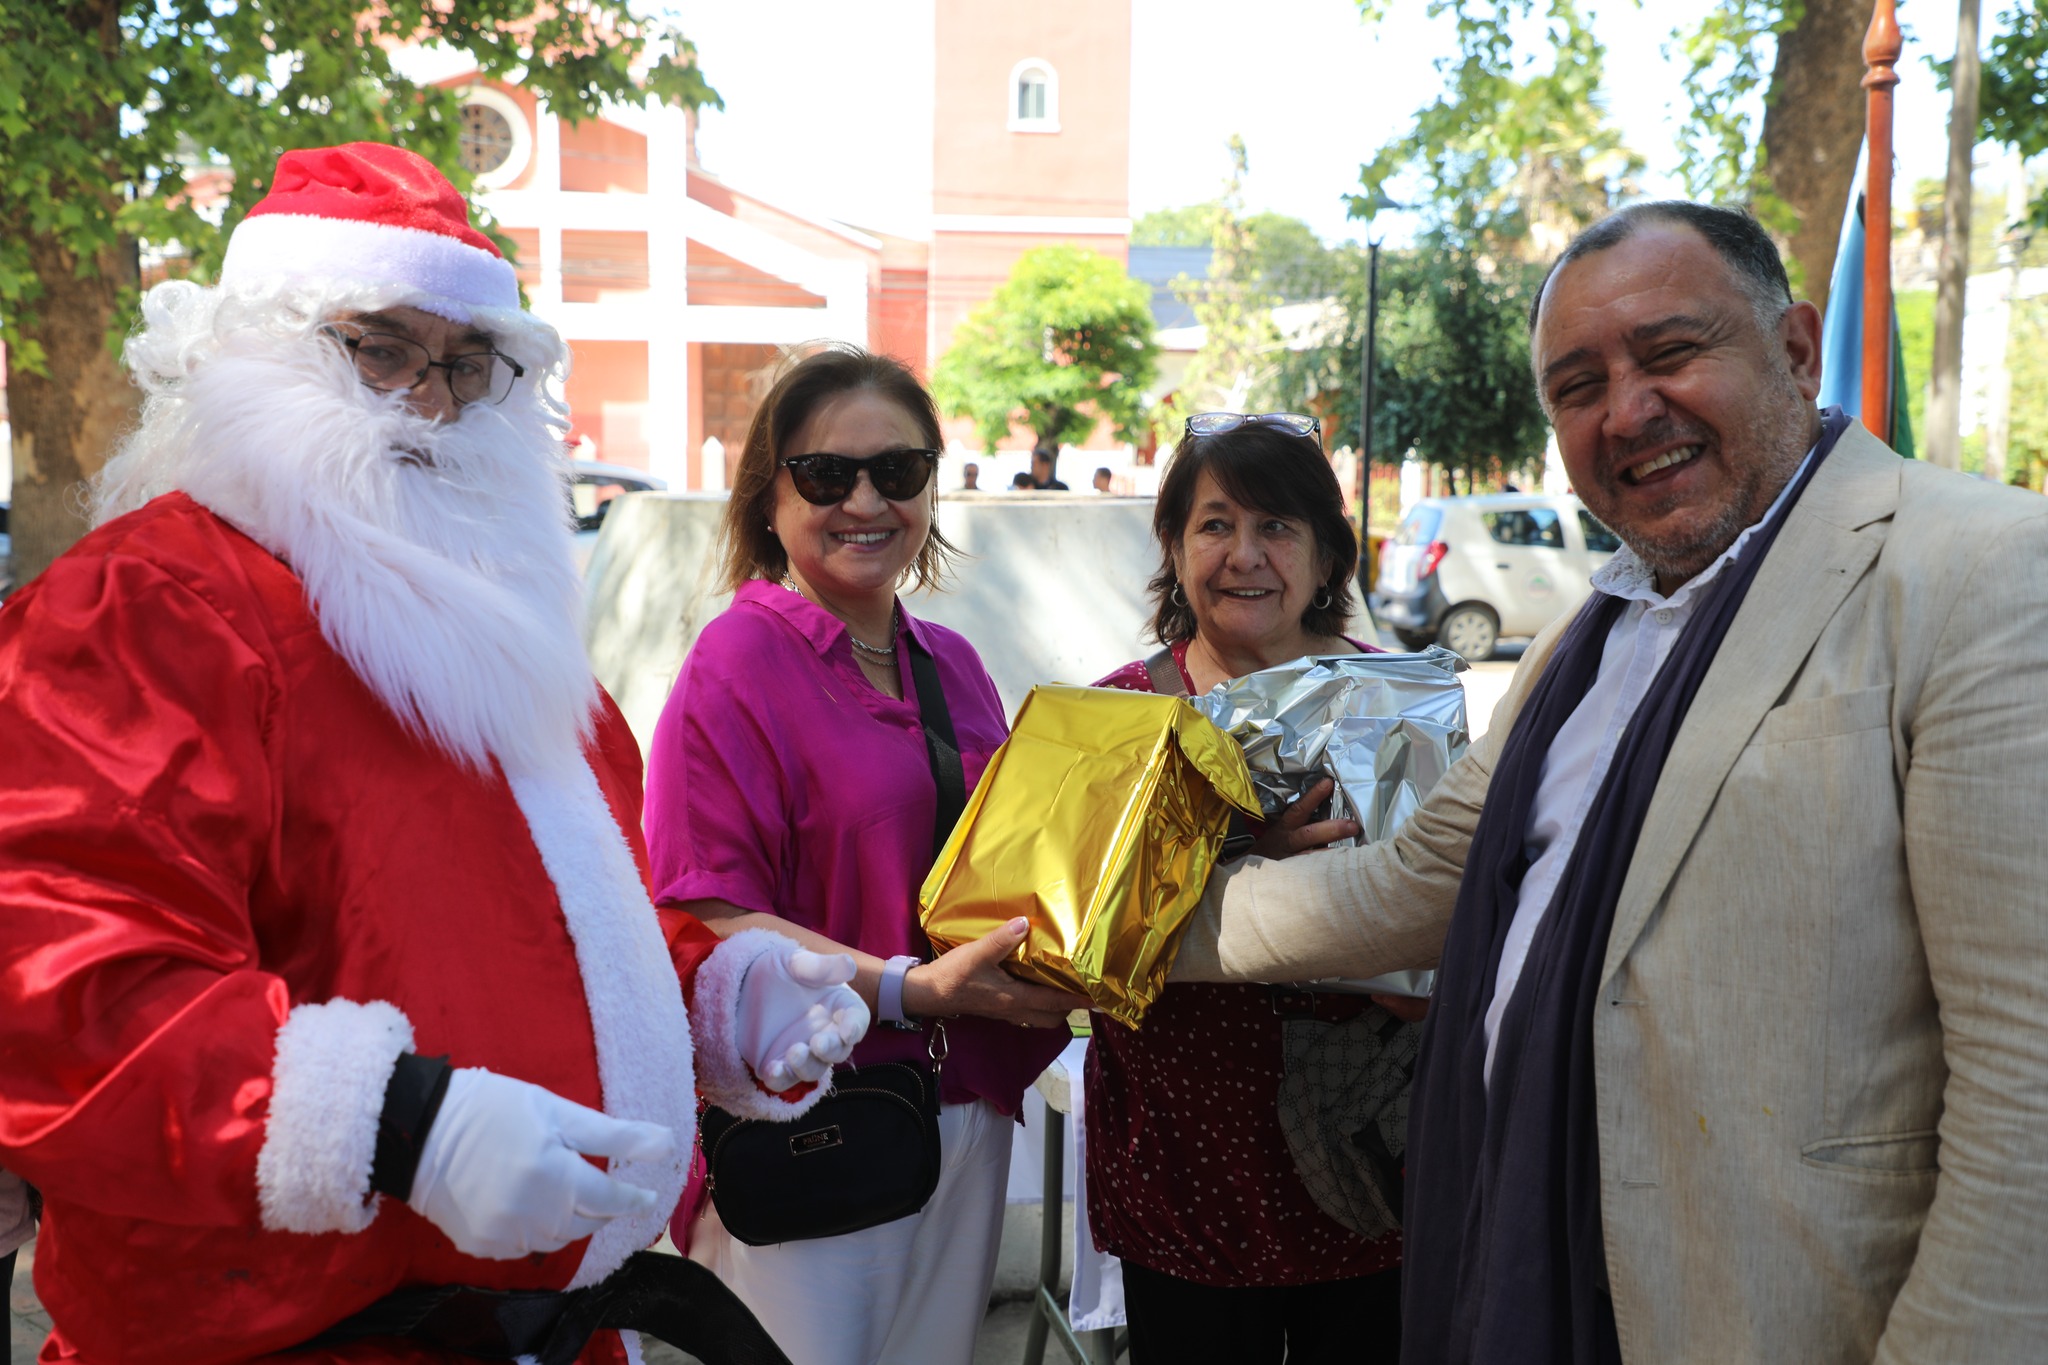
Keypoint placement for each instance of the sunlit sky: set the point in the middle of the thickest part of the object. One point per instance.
(828, 102)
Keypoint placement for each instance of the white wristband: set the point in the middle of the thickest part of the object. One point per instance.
(889, 993)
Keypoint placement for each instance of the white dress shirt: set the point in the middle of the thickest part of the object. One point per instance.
(1637, 646)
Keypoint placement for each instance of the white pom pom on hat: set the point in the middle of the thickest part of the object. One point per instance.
(372, 215)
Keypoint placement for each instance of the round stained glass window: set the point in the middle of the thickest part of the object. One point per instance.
(486, 139)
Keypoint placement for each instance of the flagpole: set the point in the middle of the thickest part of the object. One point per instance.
(1882, 47)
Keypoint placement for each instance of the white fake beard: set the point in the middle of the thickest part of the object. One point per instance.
(437, 556)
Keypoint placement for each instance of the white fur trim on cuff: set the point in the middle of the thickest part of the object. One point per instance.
(722, 1076)
(327, 1092)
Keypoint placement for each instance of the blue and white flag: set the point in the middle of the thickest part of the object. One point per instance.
(1841, 334)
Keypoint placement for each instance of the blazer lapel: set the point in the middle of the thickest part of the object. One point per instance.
(1819, 557)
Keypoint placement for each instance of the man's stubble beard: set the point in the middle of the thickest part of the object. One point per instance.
(1779, 431)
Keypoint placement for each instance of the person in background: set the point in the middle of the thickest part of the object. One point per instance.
(1102, 479)
(1226, 1256)
(970, 477)
(789, 787)
(1044, 464)
(1022, 482)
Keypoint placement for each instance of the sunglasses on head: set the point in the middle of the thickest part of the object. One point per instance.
(823, 479)
(1216, 423)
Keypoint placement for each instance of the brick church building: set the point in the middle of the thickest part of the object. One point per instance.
(675, 287)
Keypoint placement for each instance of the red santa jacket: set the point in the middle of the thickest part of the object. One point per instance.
(214, 837)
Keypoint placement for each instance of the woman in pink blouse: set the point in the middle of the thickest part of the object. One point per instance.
(1226, 1257)
(789, 787)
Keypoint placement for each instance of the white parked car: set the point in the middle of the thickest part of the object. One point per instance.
(592, 486)
(1463, 572)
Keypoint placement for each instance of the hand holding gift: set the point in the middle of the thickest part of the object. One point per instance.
(1098, 822)
(970, 979)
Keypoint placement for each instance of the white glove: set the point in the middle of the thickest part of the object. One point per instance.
(797, 1015)
(501, 1171)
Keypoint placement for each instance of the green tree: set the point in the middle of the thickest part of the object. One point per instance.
(1507, 156)
(1185, 226)
(2026, 457)
(1234, 307)
(1065, 342)
(2013, 102)
(107, 105)
(1796, 175)
(1451, 372)
(1512, 145)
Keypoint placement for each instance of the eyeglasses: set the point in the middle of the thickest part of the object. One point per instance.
(1216, 423)
(897, 475)
(387, 362)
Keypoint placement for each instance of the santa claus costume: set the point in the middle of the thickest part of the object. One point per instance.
(305, 770)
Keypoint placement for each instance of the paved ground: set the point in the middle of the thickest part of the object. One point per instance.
(27, 1324)
(1485, 685)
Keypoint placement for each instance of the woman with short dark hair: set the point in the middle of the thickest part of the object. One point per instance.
(789, 787)
(1226, 1257)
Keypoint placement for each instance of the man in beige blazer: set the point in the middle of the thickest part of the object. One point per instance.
(1820, 1039)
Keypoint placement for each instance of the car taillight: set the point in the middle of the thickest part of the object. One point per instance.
(1432, 555)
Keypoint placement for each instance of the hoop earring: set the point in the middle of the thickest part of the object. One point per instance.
(1323, 599)
(1177, 597)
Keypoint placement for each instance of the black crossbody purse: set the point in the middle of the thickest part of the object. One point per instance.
(868, 1153)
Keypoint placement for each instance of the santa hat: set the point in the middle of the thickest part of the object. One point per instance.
(370, 215)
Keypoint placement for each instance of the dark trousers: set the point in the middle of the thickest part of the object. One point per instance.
(1341, 1322)
(7, 1321)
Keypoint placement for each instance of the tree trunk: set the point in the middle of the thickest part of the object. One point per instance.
(1813, 128)
(66, 424)
(1942, 444)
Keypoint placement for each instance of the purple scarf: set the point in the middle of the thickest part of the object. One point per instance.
(1503, 1262)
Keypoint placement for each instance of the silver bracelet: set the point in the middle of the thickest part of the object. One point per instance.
(889, 993)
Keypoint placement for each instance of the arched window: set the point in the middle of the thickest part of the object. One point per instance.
(1034, 97)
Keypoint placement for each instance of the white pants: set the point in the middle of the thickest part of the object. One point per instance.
(911, 1292)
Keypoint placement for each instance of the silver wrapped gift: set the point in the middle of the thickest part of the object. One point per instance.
(1385, 727)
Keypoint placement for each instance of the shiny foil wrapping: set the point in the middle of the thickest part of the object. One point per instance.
(1386, 727)
(1099, 821)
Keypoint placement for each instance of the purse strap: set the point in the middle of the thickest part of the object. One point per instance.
(940, 747)
(1164, 670)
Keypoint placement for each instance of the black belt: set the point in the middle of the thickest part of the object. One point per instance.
(667, 1297)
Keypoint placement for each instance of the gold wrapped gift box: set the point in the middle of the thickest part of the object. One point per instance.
(1099, 821)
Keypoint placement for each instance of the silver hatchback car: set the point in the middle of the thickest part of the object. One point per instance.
(1464, 572)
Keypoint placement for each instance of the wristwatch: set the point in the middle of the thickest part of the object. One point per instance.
(889, 994)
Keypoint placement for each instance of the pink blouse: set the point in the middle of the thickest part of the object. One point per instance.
(782, 781)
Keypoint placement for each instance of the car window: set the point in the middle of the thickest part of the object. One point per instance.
(1420, 526)
(590, 498)
(1598, 538)
(1525, 526)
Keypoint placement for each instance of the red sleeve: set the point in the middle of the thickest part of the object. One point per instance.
(137, 1032)
(689, 943)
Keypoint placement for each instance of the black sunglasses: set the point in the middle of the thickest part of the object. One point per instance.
(1216, 423)
(823, 479)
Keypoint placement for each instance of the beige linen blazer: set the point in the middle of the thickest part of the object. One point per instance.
(1822, 1054)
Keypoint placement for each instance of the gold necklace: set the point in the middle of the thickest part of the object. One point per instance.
(872, 651)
